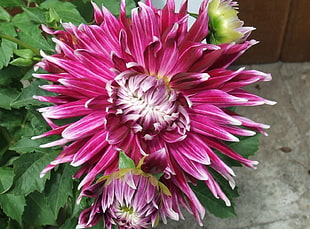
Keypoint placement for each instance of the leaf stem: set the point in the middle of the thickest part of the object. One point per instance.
(21, 43)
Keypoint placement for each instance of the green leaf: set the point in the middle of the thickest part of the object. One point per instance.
(4, 15)
(6, 179)
(27, 169)
(70, 223)
(215, 206)
(125, 161)
(13, 206)
(65, 10)
(11, 119)
(30, 32)
(11, 75)
(26, 97)
(26, 145)
(247, 146)
(11, 3)
(35, 15)
(59, 188)
(7, 95)
(38, 210)
(6, 47)
(114, 6)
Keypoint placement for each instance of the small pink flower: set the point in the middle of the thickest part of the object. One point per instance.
(149, 86)
(130, 199)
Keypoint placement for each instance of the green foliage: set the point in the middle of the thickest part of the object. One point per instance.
(6, 47)
(38, 210)
(6, 179)
(13, 206)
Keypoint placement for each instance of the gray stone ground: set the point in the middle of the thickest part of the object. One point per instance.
(277, 194)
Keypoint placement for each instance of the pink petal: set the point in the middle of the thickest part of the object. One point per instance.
(84, 127)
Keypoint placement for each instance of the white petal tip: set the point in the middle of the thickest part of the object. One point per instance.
(35, 137)
(227, 202)
(255, 162)
(270, 102)
(232, 184)
(42, 53)
(42, 175)
(75, 164)
(234, 139)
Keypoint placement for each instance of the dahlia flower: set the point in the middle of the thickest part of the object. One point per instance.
(149, 86)
(128, 198)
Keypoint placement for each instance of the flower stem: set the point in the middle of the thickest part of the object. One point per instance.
(21, 43)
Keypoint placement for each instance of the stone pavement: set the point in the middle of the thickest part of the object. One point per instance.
(277, 194)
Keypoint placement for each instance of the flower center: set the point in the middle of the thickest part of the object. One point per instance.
(127, 217)
(147, 105)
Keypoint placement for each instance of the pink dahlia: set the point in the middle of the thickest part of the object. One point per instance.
(150, 86)
(130, 199)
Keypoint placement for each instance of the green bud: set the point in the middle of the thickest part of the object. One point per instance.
(223, 22)
(52, 18)
(21, 62)
(24, 53)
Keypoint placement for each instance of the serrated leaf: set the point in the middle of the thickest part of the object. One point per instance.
(7, 96)
(66, 11)
(4, 15)
(6, 47)
(30, 32)
(38, 210)
(35, 14)
(26, 145)
(26, 97)
(59, 188)
(125, 161)
(6, 179)
(13, 206)
(27, 169)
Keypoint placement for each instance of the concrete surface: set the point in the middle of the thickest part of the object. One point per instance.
(277, 194)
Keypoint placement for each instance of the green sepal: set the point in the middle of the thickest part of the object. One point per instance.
(125, 161)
